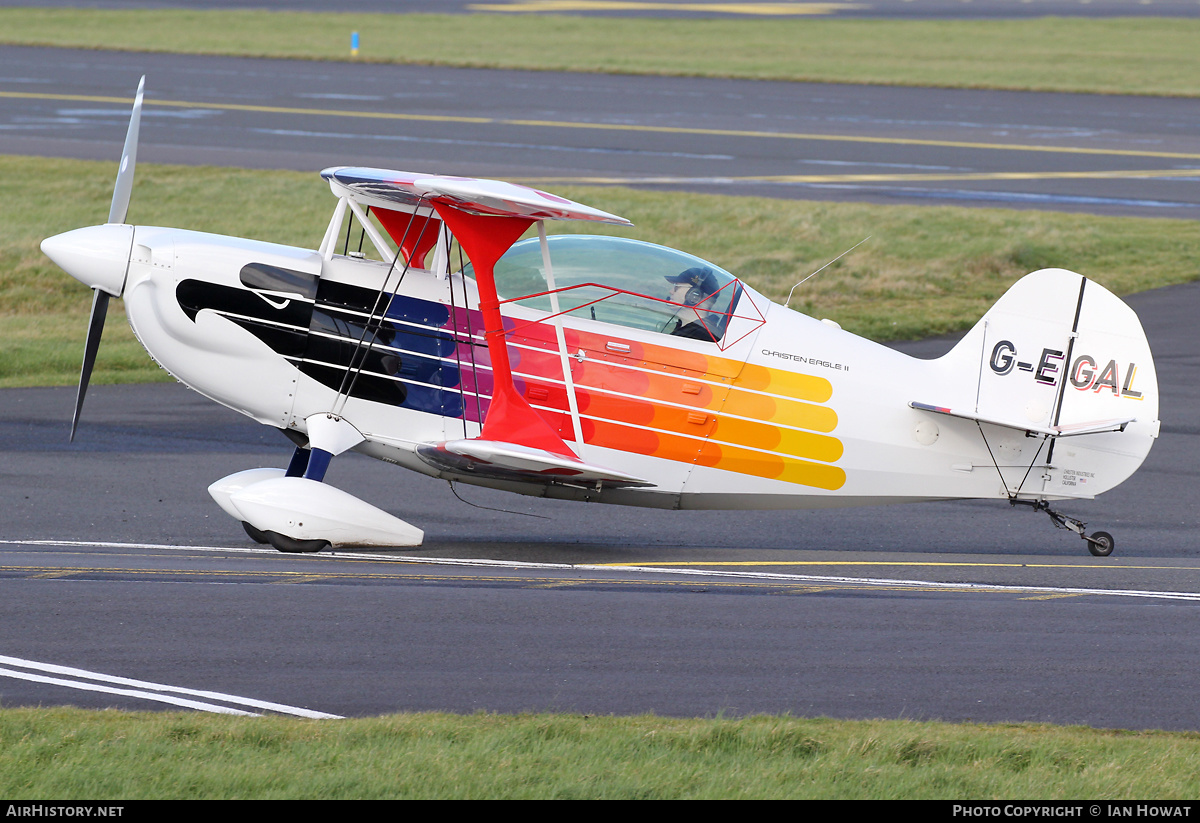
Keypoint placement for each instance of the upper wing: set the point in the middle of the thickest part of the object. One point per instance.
(487, 216)
(406, 191)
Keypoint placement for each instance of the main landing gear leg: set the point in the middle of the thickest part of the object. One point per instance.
(296, 468)
(295, 511)
(1100, 544)
(311, 464)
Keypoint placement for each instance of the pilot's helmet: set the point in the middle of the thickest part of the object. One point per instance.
(702, 281)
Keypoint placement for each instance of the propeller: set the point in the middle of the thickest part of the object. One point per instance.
(95, 329)
(122, 191)
(124, 185)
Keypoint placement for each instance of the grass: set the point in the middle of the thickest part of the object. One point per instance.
(1126, 56)
(43, 313)
(925, 270)
(73, 754)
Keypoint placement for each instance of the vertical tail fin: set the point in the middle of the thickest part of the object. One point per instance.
(1062, 356)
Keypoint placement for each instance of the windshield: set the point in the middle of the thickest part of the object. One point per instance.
(626, 282)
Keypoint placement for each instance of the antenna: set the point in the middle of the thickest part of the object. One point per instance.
(827, 265)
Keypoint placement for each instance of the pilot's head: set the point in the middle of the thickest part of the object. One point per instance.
(692, 286)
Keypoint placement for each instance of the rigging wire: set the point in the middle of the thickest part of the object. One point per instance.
(363, 233)
(470, 343)
(375, 324)
(491, 509)
(462, 389)
(1012, 495)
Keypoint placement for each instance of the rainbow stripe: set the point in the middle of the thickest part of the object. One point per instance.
(656, 400)
(683, 406)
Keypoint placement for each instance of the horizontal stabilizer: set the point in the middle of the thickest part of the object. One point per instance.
(509, 461)
(1072, 430)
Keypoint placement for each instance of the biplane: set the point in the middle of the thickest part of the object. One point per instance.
(598, 368)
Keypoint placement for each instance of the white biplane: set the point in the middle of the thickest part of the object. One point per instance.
(599, 368)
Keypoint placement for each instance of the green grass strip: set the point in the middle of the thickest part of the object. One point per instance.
(925, 270)
(1127, 56)
(69, 754)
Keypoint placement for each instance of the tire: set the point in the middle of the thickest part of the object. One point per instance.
(257, 535)
(290, 545)
(1101, 544)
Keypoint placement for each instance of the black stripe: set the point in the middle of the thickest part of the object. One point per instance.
(1062, 385)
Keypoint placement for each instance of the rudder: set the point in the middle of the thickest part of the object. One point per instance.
(1062, 356)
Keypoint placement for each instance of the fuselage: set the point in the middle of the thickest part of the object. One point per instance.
(784, 411)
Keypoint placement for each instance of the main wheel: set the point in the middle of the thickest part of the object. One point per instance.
(1101, 544)
(257, 535)
(292, 546)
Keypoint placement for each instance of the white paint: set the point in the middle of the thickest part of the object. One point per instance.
(222, 489)
(748, 575)
(331, 433)
(92, 687)
(307, 510)
(559, 336)
(138, 689)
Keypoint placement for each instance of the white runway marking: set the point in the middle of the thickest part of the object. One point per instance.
(79, 679)
(664, 570)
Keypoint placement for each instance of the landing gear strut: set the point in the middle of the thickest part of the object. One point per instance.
(1100, 544)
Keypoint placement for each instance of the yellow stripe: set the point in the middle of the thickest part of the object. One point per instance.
(563, 124)
(786, 383)
(560, 6)
(184, 104)
(1107, 174)
(915, 563)
(779, 410)
(757, 435)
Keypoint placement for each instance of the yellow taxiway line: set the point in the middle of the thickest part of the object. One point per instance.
(702, 564)
(758, 9)
(1108, 174)
(620, 127)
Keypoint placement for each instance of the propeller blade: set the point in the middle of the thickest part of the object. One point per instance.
(122, 191)
(124, 187)
(95, 329)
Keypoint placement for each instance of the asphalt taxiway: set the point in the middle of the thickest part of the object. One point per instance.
(124, 585)
(114, 562)
(1103, 154)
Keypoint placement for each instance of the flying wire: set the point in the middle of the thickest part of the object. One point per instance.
(375, 325)
(490, 509)
(471, 344)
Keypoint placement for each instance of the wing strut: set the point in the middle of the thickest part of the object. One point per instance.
(510, 419)
(560, 336)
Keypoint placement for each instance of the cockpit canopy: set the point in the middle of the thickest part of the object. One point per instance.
(620, 281)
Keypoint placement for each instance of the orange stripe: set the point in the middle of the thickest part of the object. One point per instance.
(652, 387)
(626, 423)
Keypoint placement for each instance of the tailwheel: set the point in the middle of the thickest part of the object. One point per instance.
(1100, 544)
(290, 545)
